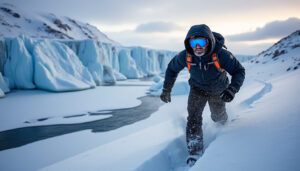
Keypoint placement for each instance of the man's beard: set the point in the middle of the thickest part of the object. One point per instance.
(199, 54)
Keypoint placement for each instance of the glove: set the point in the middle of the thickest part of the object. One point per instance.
(166, 96)
(228, 94)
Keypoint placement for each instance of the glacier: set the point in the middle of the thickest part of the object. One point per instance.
(70, 65)
(3, 86)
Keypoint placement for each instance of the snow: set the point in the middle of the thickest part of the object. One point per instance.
(20, 106)
(257, 138)
(266, 136)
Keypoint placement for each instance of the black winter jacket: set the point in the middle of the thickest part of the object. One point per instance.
(212, 81)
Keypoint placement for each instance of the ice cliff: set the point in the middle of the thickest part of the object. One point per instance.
(68, 65)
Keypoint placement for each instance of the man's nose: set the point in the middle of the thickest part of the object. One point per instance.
(198, 46)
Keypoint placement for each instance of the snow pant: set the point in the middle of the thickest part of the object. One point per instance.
(196, 103)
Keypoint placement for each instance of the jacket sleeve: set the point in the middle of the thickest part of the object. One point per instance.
(234, 68)
(174, 67)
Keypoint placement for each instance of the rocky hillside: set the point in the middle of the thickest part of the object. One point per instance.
(281, 58)
(284, 46)
(15, 21)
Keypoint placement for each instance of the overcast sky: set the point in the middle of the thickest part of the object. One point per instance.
(249, 26)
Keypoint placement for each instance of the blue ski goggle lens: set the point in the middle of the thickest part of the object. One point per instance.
(200, 41)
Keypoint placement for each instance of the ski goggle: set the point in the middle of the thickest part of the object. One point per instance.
(202, 42)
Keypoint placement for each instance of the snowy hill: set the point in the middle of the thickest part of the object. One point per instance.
(15, 21)
(284, 50)
(281, 58)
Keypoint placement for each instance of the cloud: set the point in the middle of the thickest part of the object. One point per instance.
(155, 41)
(240, 48)
(275, 29)
(158, 26)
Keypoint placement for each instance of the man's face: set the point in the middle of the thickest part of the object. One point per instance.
(199, 45)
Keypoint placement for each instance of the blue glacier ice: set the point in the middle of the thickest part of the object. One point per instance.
(57, 68)
(69, 65)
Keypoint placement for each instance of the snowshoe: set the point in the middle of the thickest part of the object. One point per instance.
(191, 161)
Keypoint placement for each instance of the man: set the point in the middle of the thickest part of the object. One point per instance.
(207, 60)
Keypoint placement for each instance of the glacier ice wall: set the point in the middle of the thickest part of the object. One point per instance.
(60, 65)
(90, 56)
(57, 68)
(3, 85)
(128, 67)
(2, 55)
(19, 65)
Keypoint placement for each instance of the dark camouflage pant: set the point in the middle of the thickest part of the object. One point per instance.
(196, 103)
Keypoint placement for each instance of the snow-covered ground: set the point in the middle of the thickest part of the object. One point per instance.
(262, 132)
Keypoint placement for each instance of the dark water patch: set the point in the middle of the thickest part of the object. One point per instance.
(135, 85)
(42, 119)
(73, 116)
(120, 117)
(147, 78)
(105, 112)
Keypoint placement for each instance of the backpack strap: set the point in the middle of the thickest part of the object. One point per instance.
(215, 61)
(189, 60)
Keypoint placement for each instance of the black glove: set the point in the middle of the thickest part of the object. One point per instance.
(165, 96)
(228, 94)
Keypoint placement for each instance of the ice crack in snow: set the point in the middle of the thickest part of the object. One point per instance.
(266, 89)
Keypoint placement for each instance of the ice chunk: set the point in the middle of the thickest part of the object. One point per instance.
(91, 57)
(139, 54)
(157, 78)
(18, 67)
(57, 68)
(128, 65)
(108, 75)
(119, 76)
(153, 62)
(1, 93)
(180, 88)
(2, 55)
(4, 84)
